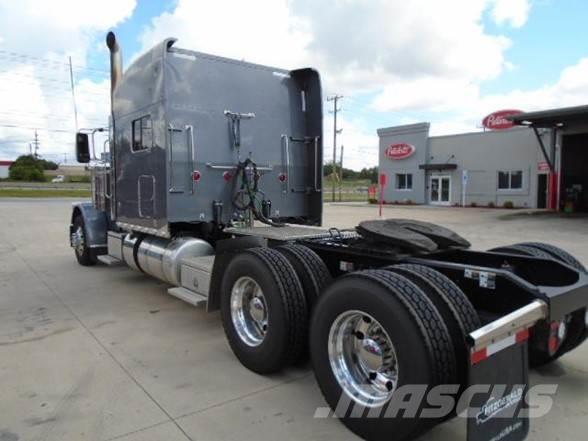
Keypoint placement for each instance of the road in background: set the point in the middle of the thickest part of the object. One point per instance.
(45, 185)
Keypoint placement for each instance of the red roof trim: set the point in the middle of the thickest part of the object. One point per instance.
(9, 163)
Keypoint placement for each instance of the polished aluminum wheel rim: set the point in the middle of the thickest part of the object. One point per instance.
(363, 358)
(249, 311)
(78, 240)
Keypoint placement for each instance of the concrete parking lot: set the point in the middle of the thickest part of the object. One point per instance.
(103, 353)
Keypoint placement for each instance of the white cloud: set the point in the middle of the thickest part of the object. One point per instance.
(434, 94)
(39, 27)
(76, 15)
(570, 89)
(34, 89)
(513, 12)
(360, 145)
(357, 45)
(366, 44)
(417, 54)
(261, 31)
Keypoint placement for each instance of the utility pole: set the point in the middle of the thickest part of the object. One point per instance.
(73, 93)
(36, 144)
(341, 173)
(335, 98)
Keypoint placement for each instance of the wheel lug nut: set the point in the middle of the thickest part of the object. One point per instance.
(373, 375)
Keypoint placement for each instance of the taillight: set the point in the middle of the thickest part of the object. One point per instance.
(196, 175)
(557, 334)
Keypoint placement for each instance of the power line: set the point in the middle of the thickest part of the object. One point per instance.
(42, 115)
(37, 123)
(45, 61)
(13, 141)
(54, 87)
(14, 126)
(63, 95)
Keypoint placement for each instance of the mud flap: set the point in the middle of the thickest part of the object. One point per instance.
(500, 413)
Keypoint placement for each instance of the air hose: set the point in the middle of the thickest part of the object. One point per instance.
(249, 185)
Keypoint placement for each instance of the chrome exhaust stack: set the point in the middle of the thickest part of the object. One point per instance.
(116, 63)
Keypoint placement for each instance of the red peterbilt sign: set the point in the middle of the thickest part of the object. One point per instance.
(498, 121)
(400, 151)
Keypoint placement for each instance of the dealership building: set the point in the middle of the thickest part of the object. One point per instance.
(533, 160)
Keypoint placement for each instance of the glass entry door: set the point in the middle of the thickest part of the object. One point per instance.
(440, 190)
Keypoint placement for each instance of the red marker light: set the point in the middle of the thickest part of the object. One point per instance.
(196, 175)
(227, 176)
(282, 177)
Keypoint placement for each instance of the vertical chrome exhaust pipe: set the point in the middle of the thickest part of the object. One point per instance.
(116, 72)
(116, 64)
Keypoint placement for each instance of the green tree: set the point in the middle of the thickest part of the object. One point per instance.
(48, 165)
(29, 168)
(369, 173)
(347, 172)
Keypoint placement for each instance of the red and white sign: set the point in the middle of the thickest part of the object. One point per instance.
(400, 151)
(498, 121)
(543, 166)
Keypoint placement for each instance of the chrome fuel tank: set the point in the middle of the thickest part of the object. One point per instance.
(162, 258)
(128, 251)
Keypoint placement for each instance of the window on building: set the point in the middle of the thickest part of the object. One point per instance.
(142, 134)
(403, 181)
(510, 180)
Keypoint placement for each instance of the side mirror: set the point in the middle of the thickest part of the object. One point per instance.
(82, 148)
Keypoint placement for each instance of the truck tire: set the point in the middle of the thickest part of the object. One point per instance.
(85, 255)
(576, 321)
(455, 308)
(263, 310)
(311, 271)
(522, 250)
(371, 333)
(577, 332)
(537, 356)
(556, 253)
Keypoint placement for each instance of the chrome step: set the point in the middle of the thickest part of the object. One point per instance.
(109, 260)
(188, 296)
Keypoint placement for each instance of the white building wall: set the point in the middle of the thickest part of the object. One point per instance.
(418, 136)
(483, 155)
(3, 171)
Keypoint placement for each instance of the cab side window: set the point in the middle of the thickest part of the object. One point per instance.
(142, 134)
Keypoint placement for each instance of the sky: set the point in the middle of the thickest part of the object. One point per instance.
(395, 62)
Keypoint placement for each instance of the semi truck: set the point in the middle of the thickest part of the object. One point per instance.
(211, 181)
